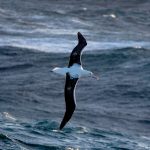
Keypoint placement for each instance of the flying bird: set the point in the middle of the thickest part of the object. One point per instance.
(73, 72)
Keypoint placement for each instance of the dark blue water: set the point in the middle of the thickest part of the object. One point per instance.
(112, 113)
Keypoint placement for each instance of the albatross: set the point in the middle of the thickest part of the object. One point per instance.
(73, 72)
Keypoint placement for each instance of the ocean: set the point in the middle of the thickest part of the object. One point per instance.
(113, 113)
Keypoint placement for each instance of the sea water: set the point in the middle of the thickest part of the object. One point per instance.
(112, 113)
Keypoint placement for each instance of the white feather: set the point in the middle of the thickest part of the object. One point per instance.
(75, 71)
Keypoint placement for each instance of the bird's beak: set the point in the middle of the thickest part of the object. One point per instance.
(95, 77)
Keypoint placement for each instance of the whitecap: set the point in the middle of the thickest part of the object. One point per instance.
(110, 15)
(8, 116)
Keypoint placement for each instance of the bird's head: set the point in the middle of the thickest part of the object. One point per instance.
(91, 74)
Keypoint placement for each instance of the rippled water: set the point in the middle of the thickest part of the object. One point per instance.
(112, 113)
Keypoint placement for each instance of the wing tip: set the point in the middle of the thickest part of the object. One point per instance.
(67, 117)
(81, 39)
(61, 127)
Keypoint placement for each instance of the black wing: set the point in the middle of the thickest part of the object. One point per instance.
(69, 99)
(75, 56)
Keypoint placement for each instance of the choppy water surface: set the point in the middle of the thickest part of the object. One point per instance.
(112, 113)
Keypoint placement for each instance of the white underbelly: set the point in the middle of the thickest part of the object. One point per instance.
(76, 71)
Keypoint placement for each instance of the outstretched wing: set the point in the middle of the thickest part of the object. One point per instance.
(70, 85)
(69, 99)
(75, 56)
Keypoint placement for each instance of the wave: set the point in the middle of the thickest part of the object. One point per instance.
(12, 50)
(6, 142)
(125, 58)
(145, 122)
(8, 50)
(66, 45)
(3, 136)
(43, 134)
(16, 67)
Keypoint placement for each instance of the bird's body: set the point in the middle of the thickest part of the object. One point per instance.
(73, 72)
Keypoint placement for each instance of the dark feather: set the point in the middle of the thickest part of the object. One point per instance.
(69, 99)
(75, 56)
(70, 85)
